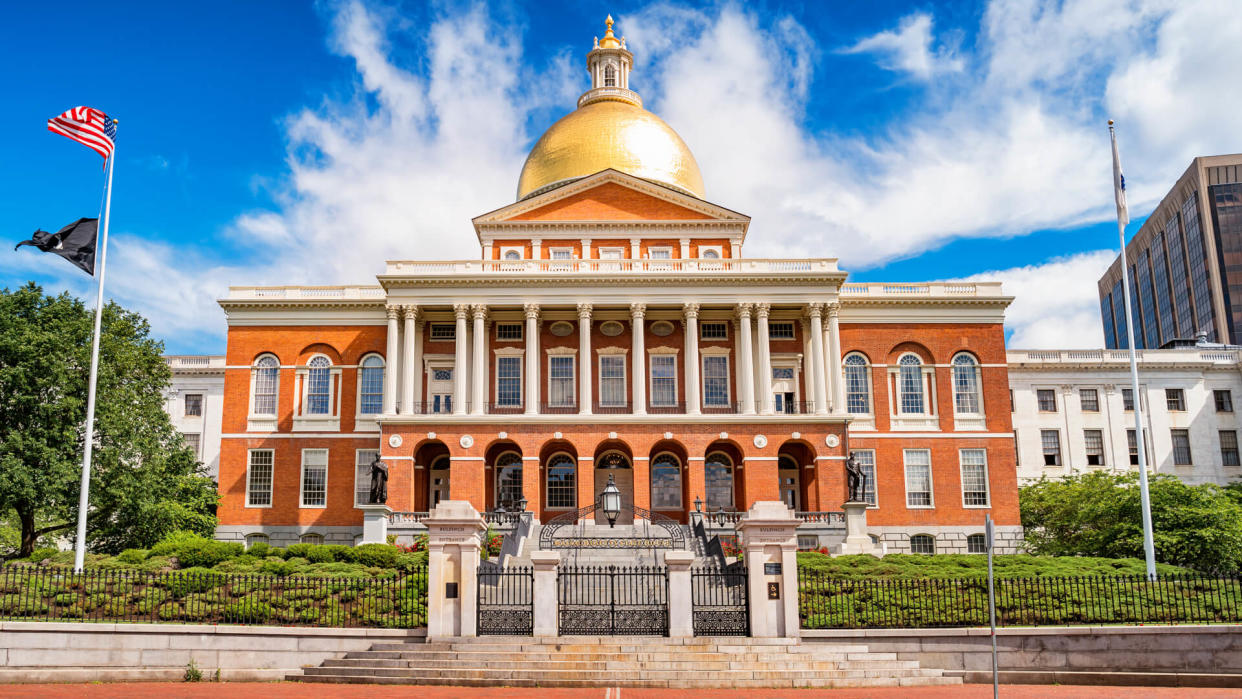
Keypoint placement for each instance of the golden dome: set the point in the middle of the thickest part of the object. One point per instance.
(610, 133)
(610, 40)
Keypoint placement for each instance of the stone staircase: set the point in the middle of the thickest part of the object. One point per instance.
(619, 661)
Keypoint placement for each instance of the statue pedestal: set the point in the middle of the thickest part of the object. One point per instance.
(856, 539)
(375, 523)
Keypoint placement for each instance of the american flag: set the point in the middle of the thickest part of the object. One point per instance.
(90, 127)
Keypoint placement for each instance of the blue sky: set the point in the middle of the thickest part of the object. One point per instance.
(283, 142)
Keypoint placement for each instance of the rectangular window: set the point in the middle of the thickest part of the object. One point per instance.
(193, 441)
(1175, 400)
(1229, 448)
(1132, 444)
(508, 331)
(443, 332)
(561, 381)
(713, 331)
(918, 478)
(660, 253)
(716, 380)
(562, 253)
(1224, 400)
(509, 381)
(370, 388)
(259, 478)
(1181, 447)
(1011, 405)
(779, 373)
(1051, 441)
(362, 475)
(1047, 400)
(314, 477)
(193, 404)
(442, 374)
(1094, 441)
(1090, 400)
(974, 464)
(612, 380)
(1127, 399)
(781, 330)
(664, 380)
(866, 461)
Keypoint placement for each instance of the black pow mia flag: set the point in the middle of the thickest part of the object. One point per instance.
(75, 242)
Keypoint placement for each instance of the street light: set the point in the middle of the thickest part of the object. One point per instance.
(521, 504)
(698, 504)
(610, 499)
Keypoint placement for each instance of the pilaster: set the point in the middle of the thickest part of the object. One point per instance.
(691, 311)
(638, 331)
(745, 359)
(411, 372)
(765, 359)
(390, 361)
(459, 360)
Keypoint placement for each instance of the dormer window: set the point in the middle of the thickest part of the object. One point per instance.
(610, 76)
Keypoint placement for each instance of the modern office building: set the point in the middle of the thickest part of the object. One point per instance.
(1185, 263)
(195, 403)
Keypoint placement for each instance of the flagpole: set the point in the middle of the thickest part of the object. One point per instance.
(1149, 548)
(79, 554)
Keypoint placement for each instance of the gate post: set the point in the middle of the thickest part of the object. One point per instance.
(680, 597)
(770, 540)
(454, 537)
(545, 598)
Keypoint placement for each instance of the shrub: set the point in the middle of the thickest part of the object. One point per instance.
(191, 581)
(133, 556)
(40, 555)
(194, 551)
(377, 555)
(407, 562)
(278, 567)
(247, 611)
(260, 549)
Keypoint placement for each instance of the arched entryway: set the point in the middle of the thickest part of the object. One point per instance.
(722, 478)
(616, 463)
(431, 483)
(559, 467)
(796, 474)
(504, 468)
(669, 481)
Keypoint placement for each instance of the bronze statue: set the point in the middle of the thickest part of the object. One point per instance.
(379, 481)
(856, 480)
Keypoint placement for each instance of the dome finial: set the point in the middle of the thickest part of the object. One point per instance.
(610, 40)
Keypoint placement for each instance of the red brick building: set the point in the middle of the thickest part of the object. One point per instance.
(612, 327)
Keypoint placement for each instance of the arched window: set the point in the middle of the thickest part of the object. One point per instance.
(513, 255)
(976, 543)
(318, 385)
(718, 471)
(265, 375)
(508, 479)
(922, 543)
(665, 482)
(710, 254)
(790, 481)
(857, 384)
(610, 76)
(910, 385)
(966, 385)
(371, 385)
(562, 481)
(312, 539)
(252, 539)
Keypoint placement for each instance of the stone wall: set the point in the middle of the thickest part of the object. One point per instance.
(89, 652)
(1009, 539)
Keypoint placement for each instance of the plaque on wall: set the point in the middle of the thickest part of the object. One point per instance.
(450, 590)
(771, 568)
(774, 590)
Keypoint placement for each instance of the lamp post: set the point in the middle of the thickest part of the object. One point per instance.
(521, 504)
(698, 504)
(610, 499)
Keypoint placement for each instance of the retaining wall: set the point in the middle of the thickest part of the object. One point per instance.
(86, 652)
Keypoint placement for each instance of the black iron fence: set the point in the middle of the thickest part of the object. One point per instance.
(720, 602)
(828, 603)
(612, 600)
(59, 594)
(506, 604)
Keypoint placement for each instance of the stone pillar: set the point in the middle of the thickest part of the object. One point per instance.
(635, 248)
(586, 361)
(680, 602)
(532, 358)
(817, 358)
(765, 360)
(692, 359)
(769, 538)
(391, 363)
(454, 536)
(375, 523)
(685, 249)
(856, 538)
(411, 372)
(544, 593)
(536, 251)
(586, 250)
(836, 381)
(638, 333)
(459, 360)
(478, 381)
(745, 360)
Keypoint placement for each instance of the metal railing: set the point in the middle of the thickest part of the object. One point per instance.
(416, 268)
(826, 602)
(59, 594)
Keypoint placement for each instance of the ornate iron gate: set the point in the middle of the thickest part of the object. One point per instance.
(613, 600)
(506, 601)
(720, 601)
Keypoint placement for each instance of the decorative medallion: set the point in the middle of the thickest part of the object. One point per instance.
(832, 440)
(668, 435)
(466, 441)
(431, 435)
(612, 435)
(796, 435)
(760, 441)
(724, 435)
(661, 328)
(557, 435)
(562, 328)
(611, 328)
(503, 435)
(394, 441)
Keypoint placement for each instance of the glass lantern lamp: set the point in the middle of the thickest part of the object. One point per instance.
(610, 501)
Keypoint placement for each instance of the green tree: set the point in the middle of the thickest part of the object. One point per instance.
(1099, 514)
(144, 481)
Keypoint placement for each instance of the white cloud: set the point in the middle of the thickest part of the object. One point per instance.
(909, 49)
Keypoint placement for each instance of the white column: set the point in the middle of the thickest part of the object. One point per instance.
(532, 358)
(586, 248)
(487, 250)
(745, 360)
(735, 250)
(478, 392)
(390, 363)
(692, 359)
(536, 252)
(685, 249)
(836, 382)
(765, 360)
(585, 359)
(409, 361)
(459, 360)
(817, 358)
(635, 248)
(638, 371)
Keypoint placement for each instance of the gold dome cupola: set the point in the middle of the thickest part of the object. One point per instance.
(610, 130)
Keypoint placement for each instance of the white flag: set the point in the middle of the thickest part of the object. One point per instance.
(1119, 183)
